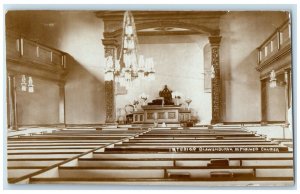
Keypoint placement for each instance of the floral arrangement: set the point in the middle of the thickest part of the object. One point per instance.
(135, 102)
(176, 95)
(144, 96)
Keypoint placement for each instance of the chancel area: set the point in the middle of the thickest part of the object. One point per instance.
(201, 98)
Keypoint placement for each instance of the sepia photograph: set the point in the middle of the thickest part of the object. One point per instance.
(149, 97)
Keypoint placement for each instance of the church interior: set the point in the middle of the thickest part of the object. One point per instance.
(200, 98)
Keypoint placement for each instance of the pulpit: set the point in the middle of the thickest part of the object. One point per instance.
(162, 110)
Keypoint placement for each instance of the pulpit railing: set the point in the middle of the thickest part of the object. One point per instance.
(277, 41)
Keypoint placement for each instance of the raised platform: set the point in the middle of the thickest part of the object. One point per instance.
(169, 114)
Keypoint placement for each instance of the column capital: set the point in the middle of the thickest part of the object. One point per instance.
(61, 84)
(214, 40)
(11, 74)
(110, 42)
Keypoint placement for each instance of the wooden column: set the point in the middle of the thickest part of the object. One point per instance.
(110, 46)
(62, 112)
(8, 102)
(263, 86)
(12, 101)
(287, 95)
(216, 81)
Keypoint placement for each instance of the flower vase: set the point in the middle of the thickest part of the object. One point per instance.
(176, 101)
(144, 103)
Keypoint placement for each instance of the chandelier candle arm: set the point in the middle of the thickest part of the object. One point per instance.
(25, 85)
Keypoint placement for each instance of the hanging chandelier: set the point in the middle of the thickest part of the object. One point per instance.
(129, 66)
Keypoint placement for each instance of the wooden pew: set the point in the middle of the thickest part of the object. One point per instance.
(31, 154)
(190, 162)
(149, 158)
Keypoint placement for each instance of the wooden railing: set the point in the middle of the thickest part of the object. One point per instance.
(20, 48)
(274, 43)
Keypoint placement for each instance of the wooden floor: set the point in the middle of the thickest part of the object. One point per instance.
(198, 156)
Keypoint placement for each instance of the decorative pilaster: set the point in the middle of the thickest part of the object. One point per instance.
(110, 46)
(263, 86)
(287, 98)
(110, 102)
(216, 81)
(12, 100)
